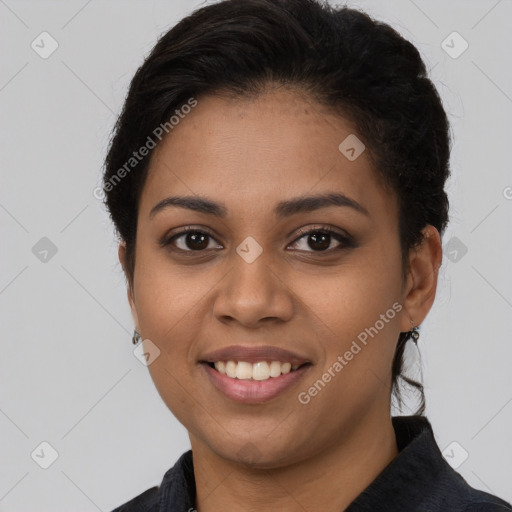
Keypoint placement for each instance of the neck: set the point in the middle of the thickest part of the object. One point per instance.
(334, 477)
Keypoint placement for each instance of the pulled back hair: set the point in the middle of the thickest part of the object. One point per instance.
(360, 68)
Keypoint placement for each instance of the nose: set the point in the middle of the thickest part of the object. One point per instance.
(253, 293)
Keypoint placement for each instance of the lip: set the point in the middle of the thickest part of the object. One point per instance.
(253, 355)
(250, 391)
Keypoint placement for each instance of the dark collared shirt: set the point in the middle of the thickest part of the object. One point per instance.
(419, 479)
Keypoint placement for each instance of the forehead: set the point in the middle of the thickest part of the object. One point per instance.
(253, 151)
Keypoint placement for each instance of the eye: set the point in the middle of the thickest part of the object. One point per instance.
(190, 239)
(320, 238)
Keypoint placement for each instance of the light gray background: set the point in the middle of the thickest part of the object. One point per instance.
(68, 374)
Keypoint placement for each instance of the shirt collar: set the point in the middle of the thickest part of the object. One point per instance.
(401, 485)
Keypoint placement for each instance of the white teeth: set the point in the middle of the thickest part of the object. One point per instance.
(243, 370)
(262, 370)
(275, 369)
(221, 367)
(231, 369)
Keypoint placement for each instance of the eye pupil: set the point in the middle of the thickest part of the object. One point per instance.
(323, 239)
(194, 238)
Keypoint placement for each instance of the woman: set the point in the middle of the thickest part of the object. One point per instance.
(277, 181)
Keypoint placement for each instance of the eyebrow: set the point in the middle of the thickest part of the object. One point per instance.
(283, 209)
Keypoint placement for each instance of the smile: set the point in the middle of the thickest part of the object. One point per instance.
(254, 383)
(253, 374)
(261, 370)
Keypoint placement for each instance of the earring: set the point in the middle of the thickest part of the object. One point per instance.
(135, 337)
(415, 335)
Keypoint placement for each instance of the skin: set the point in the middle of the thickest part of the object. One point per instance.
(249, 154)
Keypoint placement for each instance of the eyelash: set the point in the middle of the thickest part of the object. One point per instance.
(346, 241)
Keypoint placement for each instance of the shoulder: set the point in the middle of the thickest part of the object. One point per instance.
(177, 490)
(144, 502)
(434, 484)
(488, 506)
(465, 498)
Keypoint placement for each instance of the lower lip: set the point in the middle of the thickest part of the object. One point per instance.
(250, 391)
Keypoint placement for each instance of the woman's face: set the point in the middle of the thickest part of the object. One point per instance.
(251, 279)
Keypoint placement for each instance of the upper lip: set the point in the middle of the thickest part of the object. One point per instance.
(253, 354)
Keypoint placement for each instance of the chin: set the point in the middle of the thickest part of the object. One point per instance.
(258, 453)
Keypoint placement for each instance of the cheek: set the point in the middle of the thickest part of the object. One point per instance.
(168, 309)
(167, 297)
(168, 305)
(356, 296)
(361, 308)
(357, 357)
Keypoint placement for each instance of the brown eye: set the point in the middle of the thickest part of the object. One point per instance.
(190, 240)
(319, 240)
(195, 241)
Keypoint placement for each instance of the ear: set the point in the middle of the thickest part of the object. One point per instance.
(129, 290)
(421, 285)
